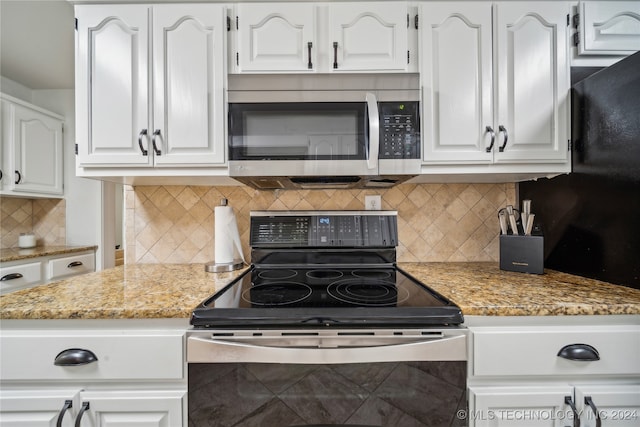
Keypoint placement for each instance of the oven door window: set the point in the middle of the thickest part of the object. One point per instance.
(377, 394)
(297, 131)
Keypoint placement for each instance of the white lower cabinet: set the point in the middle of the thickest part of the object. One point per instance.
(112, 375)
(558, 372)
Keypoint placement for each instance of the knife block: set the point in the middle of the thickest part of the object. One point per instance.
(522, 253)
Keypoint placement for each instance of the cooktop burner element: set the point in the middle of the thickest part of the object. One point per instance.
(305, 274)
(275, 294)
(367, 292)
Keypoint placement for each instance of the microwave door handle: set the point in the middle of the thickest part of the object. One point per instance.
(374, 131)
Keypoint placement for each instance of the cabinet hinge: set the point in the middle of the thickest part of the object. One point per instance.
(76, 149)
(569, 145)
(76, 23)
(415, 21)
(568, 19)
(238, 59)
(576, 38)
(228, 23)
(408, 20)
(408, 57)
(237, 23)
(576, 20)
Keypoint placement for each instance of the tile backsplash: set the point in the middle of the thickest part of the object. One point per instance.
(436, 222)
(46, 218)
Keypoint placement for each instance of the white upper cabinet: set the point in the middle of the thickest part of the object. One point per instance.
(608, 27)
(369, 36)
(276, 37)
(325, 37)
(112, 75)
(495, 81)
(150, 94)
(532, 78)
(32, 150)
(456, 73)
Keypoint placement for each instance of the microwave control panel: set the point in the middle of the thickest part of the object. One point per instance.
(399, 130)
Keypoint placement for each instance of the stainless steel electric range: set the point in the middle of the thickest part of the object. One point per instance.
(325, 329)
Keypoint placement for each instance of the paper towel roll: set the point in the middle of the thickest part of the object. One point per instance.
(227, 244)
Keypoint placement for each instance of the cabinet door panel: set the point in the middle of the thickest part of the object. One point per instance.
(111, 84)
(38, 151)
(456, 80)
(133, 408)
(618, 406)
(275, 37)
(609, 28)
(36, 408)
(533, 81)
(541, 406)
(189, 75)
(369, 36)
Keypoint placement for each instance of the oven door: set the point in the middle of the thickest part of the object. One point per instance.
(317, 377)
(304, 138)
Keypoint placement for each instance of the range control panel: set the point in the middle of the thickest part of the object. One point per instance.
(291, 229)
(399, 130)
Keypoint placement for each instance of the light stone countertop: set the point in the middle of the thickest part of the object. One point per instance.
(17, 254)
(145, 291)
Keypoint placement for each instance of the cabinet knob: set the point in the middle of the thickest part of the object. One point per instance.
(579, 352)
(75, 357)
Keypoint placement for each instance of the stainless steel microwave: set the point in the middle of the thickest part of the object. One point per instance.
(323, 131)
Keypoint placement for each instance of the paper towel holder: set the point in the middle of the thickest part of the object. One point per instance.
(224, 267)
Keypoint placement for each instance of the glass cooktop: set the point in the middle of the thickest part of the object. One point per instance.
(331, 296)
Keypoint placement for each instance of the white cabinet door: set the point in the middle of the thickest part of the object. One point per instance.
(276, 37)
(533, 406)
(369, 36)
(37, 145)
(532, 77)
(112, 108)
(131, 408)
(38, 408)
(456, 73)
(617, 405)
(609, 27)
(189, 71)
(32, 149)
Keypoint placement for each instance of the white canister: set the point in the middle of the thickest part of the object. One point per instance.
(27, 240)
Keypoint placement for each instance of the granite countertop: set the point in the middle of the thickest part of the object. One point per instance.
(17, 254)
(173, 290)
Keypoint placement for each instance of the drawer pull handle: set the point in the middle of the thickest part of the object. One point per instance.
(579, 352)
(11, 276)
(589, 401)
(576, 416)
(85, 408)
(74, 264)
(67, 404)
(75, 357)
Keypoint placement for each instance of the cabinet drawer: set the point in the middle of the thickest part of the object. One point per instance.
(121, 356)
(19, 276)
(522, 351)
(71, 265)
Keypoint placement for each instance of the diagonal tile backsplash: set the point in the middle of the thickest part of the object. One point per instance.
(44, 217)
(436, 222)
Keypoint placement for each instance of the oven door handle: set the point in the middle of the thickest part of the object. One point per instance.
(374, 131)
(208, 350)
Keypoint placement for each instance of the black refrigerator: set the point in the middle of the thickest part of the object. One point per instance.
(591, 217)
